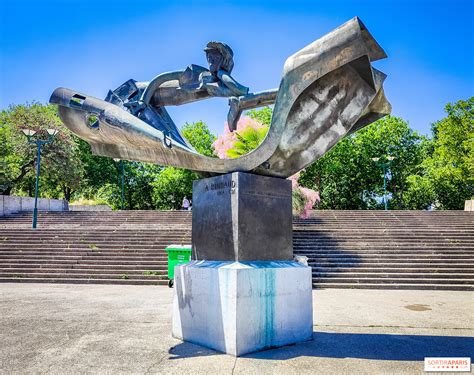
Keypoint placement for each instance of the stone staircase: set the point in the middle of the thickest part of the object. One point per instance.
(347, 249)
(388, 249)
(120, 247)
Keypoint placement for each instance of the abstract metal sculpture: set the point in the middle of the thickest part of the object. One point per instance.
(243, 292)
(329, 89)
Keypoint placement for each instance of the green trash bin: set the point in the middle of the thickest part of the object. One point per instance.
(177, 254)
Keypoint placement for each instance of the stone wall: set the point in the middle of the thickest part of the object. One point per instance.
(10, 204)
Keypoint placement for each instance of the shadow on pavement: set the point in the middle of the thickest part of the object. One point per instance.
(188, 350)
(389, 347)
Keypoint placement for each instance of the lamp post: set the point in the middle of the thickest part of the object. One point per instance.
(33, 138)
(384, 167)
(123, 180)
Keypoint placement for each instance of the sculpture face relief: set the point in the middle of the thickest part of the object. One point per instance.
(220, 55)
(323, 95)
(214, 59)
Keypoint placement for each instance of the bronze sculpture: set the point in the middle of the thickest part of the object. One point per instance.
(243, 274)
(328, 90)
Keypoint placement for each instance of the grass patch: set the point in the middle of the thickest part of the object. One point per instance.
(151, 273)
(88, 202)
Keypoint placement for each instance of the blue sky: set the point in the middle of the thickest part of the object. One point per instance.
(93, 46)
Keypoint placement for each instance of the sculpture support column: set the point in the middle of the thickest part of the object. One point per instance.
(243, 307)
(243, 292)
(242, 217)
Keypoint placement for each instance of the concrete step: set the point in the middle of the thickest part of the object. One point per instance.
(82, 261)
(384, 241)
(123, 276)
(351, 285)
(374, 280)
(161, 252)
(70, 266)
(82, 252)
(368, 252)
(384, 259)
(402, 257)
(347, 249)
(84, 247)
(98, 256)
(369, 275)
(389, 265)
(58, 280)
(70, 271)
(395, 270)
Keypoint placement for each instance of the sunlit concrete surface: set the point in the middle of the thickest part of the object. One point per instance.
(66, 329)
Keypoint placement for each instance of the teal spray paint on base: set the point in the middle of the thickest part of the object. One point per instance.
(269, 305)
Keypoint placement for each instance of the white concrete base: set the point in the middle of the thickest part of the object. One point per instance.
(239, 308)
(469, 205)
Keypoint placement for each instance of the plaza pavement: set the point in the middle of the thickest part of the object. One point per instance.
(71, 329)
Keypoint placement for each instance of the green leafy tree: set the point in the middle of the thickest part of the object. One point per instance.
(171, 186)
(446, 176)
(390, 136)
(109, 194)
(98, 170)
(60, 172)
(64, 171)
(200, 137)
(248, 139)
(262, 115)
(138, 188)
(149, 186)
(337, 177)
(139, 179)
(252, 134)
(420, 194)
(348, 178)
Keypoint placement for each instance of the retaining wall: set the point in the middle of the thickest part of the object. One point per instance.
(10, 204)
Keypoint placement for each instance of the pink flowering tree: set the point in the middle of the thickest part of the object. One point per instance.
(304, 199)
(247, 137)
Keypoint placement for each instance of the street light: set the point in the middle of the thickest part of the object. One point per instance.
(384, 167)
(33, 138)
(123, 179)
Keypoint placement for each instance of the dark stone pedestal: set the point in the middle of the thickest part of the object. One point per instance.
(242, 217)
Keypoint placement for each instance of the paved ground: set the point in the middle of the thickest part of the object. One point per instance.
(64, 329)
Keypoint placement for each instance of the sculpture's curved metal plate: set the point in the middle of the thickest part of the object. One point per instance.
(328, 90)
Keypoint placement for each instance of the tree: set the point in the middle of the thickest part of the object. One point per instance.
(247, 137)
(139, 180)
(200, 137)
(249, 134)
(171, 186)
(337, 177)
(419, 194)
(348, 178)
(64, 171)
(262, 115)
(98, 170)
(60, 174)
(147, 186)
(447, 174)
